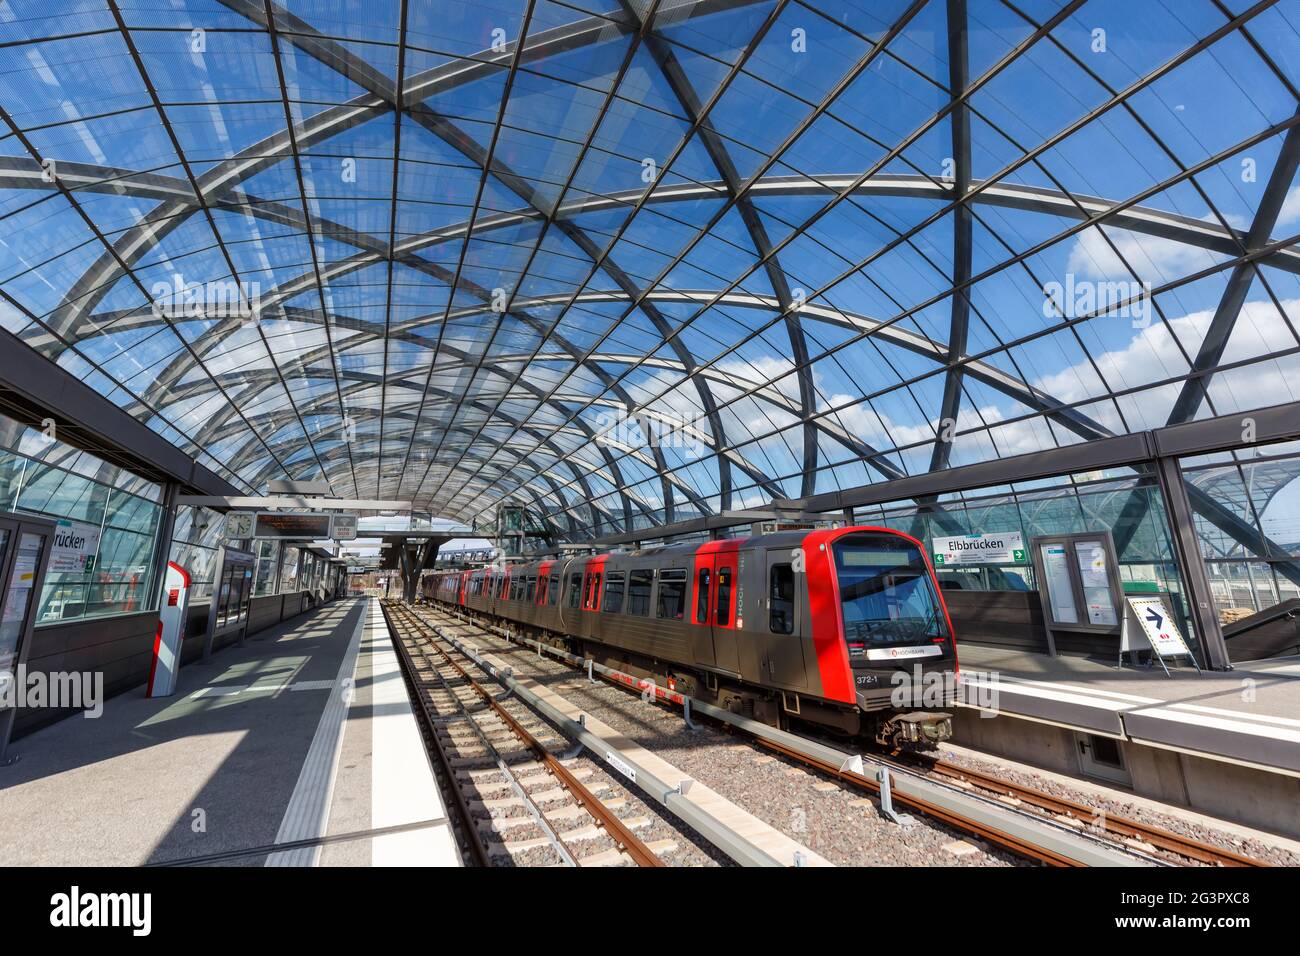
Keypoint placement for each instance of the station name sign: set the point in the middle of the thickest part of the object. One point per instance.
(1005, 547)
(291, 526)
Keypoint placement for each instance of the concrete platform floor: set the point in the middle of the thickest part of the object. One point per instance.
(1263, 688)
(304, 736)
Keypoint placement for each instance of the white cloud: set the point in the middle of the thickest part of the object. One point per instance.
(1152, 354)
(1290, 208)
(1154, 259)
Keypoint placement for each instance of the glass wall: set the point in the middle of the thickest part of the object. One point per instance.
(1248, 526)
(108, 524)
(268, 566)
(1125, 502)
(289, 569)
(196, 536)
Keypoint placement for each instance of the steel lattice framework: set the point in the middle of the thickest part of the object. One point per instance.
(636, 261)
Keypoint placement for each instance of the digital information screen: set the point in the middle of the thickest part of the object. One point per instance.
(312, 527)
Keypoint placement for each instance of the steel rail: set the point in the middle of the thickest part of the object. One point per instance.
(1163, 839)
(1120, 826)
(624, 838)
(472, 839)
(1030, 837)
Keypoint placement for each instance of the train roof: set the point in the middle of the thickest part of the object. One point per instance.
(789, 539)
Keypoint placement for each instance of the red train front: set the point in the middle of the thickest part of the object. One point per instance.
(840, 628)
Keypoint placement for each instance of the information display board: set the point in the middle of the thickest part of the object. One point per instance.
(287, 524)
(290, 526)
(1078, 582)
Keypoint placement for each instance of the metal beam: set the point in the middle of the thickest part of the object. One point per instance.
(33, 388)
(1196, 389)
(1201, 610)
(291, 501)
(959, 318)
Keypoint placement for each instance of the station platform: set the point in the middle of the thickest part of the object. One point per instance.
(299, 748)
(1246, 716)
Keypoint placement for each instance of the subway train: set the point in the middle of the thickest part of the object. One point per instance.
(842, 628)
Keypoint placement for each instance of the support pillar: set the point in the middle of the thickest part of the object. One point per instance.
(163, 545)
(1200, 602)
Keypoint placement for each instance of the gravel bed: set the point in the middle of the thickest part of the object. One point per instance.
(687, 847)
(843, 825)
(1114, 803)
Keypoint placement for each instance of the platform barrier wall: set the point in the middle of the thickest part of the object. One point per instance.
(121, 647)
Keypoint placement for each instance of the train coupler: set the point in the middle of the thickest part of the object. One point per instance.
(915, 730)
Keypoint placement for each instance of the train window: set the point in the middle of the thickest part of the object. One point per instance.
(553, 590)
(591, 600)
(672, 594)
(530, 592)
(615, 584)
(638, 592)
(780, 599)
(723, 613)
(575, 589)
(541, 589)
(702, 597)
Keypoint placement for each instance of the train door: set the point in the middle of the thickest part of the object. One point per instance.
(780, 629)
(714, 602)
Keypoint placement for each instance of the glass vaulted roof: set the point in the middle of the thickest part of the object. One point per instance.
(632, 261)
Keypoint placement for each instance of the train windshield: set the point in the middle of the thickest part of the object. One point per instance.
(888, 596)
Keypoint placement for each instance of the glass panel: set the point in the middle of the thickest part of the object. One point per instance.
(265, 579)
(1091, 558)
(672, 595)
(886, 593)
(702, 597)
(1060, 589)
(723, 616)
(780, 597)
(638, 592)
(18, 598)
(614, 587)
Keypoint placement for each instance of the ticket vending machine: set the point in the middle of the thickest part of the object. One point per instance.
(171, 632)
(24, 554)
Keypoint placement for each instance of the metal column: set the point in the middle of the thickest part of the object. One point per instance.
(1200, 602)
(163, 549)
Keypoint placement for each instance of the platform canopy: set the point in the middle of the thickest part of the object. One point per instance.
(630, 262)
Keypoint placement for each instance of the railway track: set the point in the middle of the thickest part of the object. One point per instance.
(519, 803)
(1128, 836)
(1120, 827)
